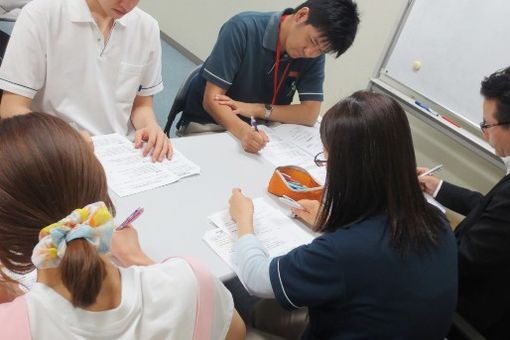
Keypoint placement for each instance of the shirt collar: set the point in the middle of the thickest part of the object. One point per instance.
(271, 33)
(79, 11)
(506, 160)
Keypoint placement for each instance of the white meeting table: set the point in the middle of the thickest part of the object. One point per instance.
(176, 215)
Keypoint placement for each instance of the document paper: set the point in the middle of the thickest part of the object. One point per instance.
(291, 144)
(277, 232)
(128, 172)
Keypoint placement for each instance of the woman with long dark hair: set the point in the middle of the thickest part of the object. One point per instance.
(56, 215)
(385, 265)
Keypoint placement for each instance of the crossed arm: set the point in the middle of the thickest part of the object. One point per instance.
(225, 112)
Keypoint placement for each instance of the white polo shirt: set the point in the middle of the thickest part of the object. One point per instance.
(58, 57)
(158, 302)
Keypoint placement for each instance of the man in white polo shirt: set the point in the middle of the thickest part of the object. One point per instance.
(94, 63)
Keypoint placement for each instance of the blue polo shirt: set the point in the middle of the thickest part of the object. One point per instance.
(242, 63)
(357, 287)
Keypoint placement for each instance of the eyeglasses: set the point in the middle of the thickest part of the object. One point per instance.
(484, 126)
(319, 159)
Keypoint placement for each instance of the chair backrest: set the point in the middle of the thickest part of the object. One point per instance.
(461, 329)
(180, 99)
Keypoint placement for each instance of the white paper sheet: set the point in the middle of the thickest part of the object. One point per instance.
(128, 172)
(277, 232)
(291, 144)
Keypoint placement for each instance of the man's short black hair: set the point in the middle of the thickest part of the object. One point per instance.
(336, 20)
(497, 87)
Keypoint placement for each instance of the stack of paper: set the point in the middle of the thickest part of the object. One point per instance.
(277, 232)
(291, 144)
(128, 172)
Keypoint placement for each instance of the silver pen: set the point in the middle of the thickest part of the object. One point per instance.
(431, 171)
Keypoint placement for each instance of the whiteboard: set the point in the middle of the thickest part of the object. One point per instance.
(458, 43)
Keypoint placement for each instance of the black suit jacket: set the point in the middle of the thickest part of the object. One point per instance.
(483, 238)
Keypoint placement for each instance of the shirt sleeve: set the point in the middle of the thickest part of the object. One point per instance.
(152, 80)
(310, 84)
(23, 67)
(253, 266)
(307, 276)
(223, 64)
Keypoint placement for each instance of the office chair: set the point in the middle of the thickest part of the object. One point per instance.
(461, 329)
(180, 99)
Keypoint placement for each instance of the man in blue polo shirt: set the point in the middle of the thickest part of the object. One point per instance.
(258, 63)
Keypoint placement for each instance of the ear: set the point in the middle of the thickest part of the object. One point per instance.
(301, 16)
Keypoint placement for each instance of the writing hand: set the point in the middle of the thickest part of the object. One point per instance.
(253, 141)
(428, 183)
(309, 213)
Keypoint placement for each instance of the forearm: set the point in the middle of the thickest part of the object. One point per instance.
(458, 199)
(142, 114)
(305, 113)
(224, 116)
(253, 266)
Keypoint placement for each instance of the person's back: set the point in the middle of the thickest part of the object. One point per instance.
(158, 302)
(373, 292)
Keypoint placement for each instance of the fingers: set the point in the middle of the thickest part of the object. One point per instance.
(139, 137)
(159, 147)
(303, 214)
(421, 170)
(254, 141)
(151, 141)
(170, 151)
(264, 136)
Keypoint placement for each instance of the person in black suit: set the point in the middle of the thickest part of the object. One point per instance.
(484, 235)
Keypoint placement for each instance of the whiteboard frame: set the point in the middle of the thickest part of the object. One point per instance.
(468, 136)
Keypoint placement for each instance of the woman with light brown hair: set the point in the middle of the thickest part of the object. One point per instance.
(56, 215)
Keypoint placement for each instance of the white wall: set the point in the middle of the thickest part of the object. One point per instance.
(195, 24)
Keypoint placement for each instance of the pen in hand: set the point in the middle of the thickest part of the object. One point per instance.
(253, 123)
(131, 218)
(431, 171)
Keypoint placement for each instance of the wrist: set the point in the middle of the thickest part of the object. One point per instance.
(268, 111)
(245, 227)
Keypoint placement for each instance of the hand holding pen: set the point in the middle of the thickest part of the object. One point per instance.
(131, 218)
(252, 139)
(428, 183)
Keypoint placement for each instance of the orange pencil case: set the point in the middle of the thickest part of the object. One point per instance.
(283, 179)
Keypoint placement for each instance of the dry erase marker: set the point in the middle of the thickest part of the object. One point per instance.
(131, 218)
(431, 171)
(254, 124)
(426, 108)
(290, 202)
(451, 121)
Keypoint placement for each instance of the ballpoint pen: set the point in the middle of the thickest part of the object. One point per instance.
(131, 218)
(290, 202)
(430, 171)
(253, 123)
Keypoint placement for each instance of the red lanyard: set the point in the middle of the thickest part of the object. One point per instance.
(277, 84)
